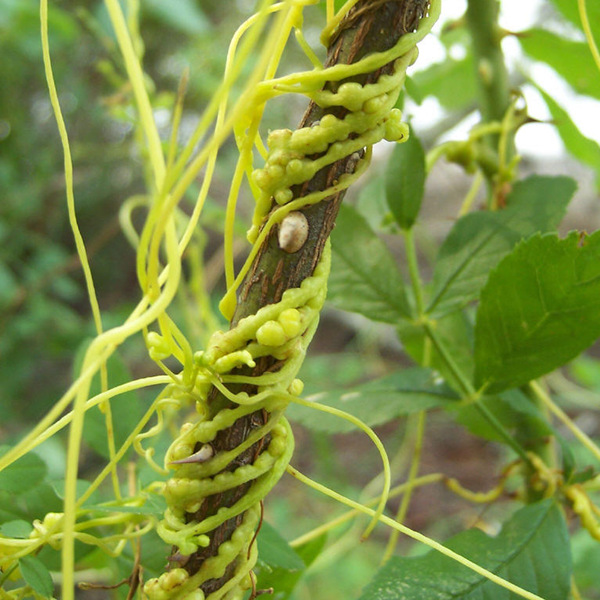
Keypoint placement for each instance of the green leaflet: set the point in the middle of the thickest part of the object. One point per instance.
(405, 181)
(23, 474)
(275, 551)
(16, 529)
(284, 580)
(377, 402)
(581, 147)
(364, 277)
(451, 82)
(571, 60)
(531, 551)
(512, 409)
(455, 331)
(36, 575)
(478, 241)
(539, 309)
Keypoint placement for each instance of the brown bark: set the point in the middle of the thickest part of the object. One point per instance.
(371, 26)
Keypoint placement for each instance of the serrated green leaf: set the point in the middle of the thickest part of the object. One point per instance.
(275, 551)
(16, 529)
(405, 181)
(539, 309)
(452, 82)
(581, 147)
(377, 402)
(36, 575)
(478, 241)
(364, 277)
(532, 551)
(571, 60)
(22, 475)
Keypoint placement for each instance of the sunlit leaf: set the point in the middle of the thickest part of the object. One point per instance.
(571, 60)
(539, 309)
(478, 241)
(364, 276)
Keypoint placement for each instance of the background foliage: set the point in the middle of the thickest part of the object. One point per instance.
(506, 299)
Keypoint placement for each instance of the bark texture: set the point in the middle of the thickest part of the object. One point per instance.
(371, 26)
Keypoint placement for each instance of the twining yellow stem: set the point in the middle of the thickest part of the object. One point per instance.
(415, 535)
(380, 448)
(136, 78)
(396, 491)
(410, 483)
(585, 22)
(560, 414)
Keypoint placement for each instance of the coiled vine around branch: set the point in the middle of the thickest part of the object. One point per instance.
(225, 462)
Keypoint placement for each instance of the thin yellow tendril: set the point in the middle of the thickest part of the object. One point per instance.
(412, 477)
(136, 78)
(415, 535)
(380, 448)
(395, 491)
(589, 36)
(560, 414)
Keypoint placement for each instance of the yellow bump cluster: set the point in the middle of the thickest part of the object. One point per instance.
(372, 118)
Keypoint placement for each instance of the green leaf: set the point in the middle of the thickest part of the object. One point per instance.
(452, 82)
(571, 60)
(539, 309)
(275, 551)
(184, 15)
(16, 529)
(455, 331)
(22, 475)
(570, 10)
(371, 202)
(513, 410)
(284, 580)
(364, 276)
(532, 551)
(478, 241)
(581, 147)
(376, 402)
(405, 181)
(36, 575)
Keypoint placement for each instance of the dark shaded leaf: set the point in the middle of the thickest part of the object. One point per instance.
(377, 402)
(532, 551)
(22, 475)
(405, 181)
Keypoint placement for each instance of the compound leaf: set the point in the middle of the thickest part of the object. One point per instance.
(478, 241)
